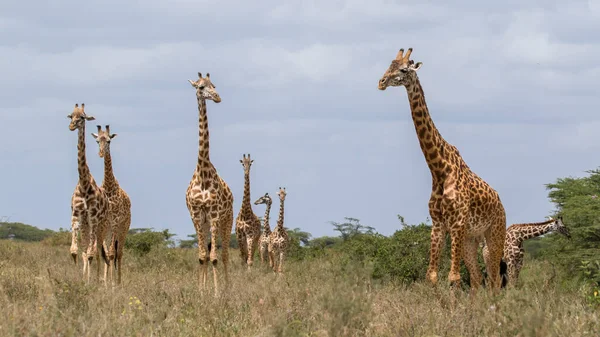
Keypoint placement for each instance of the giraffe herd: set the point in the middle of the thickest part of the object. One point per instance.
(461, 204)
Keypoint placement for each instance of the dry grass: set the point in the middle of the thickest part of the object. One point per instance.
(42, 295)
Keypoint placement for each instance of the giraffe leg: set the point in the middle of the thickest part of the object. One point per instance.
(261, 251)
(214, 232)
(84, 230)
(242, 244)
(470, 258)
(281, 256)
(516, 265)
(251, 245)
(119, 257)
(226, 226)
(74, 232)
(458, 239)
(494, 238)
(437, 239)
(272, 260)
(199, 220)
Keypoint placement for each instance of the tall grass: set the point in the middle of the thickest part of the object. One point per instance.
(42, 294)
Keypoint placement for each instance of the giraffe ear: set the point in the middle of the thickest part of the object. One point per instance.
(69, 116)
(90, 118)
(251, 161)
(416, 66)
(241, 161)
(113, 135)
(94, 135)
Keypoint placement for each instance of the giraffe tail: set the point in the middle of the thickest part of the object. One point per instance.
(503, 273)
(104, 255)
(116, 253)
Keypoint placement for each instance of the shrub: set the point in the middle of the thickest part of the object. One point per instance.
(60, 238)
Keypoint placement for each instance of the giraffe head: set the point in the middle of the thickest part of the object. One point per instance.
(205, 89)
(103, 139)
(265, 199)
(282, 193)
(78, 117)
(559, 227)
(402, 71)
(246, 163)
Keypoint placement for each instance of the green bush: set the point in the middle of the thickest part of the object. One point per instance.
(20, 231)
(60, 238)
(142, 240)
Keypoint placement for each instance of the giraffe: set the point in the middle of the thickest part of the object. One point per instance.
(119, 214)
(461, 203)
(89, 203)
(266, 234)
(247, 225)
(513, 244)
(208, 198)
(279, 238)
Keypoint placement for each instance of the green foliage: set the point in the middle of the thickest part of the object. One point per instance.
(578, 201)
(23, 232)
(60, 238)
(142, 240)
(351, 228)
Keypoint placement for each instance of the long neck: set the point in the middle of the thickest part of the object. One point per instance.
(431, 142)
(109, 183)
(82, 167)
(203, 155)
(267, 228)
(246, 198)
(280, 220)
(532, 230)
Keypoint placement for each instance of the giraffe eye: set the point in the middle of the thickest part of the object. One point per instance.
(201, 87)
(403, 70)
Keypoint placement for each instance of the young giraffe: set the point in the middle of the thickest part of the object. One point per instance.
(247, 225)
(89, 203)
(208, 198)
(461, 202)
(279, 240)
(265, 237)
(119, 214)
(513, 245)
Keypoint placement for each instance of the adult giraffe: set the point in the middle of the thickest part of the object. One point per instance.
(461, 203)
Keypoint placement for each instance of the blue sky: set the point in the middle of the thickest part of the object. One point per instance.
(515, 86)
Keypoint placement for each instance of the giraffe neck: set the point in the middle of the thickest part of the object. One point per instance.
(82, 167)
(267, 228)
(246, 199)
(203, 146)
(431, 142)
(110, 183)
(532, 230)
(280, 219)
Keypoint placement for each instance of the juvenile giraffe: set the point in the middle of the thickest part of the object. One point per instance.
(279, 238)
(89, 203)
(119, 211)
(266, 234)
(461, 203)
(247, 225)
(513, 245)
(208, 198)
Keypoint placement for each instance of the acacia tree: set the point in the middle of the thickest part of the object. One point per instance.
(578, 201)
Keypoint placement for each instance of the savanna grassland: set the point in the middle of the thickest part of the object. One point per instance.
(330, 295)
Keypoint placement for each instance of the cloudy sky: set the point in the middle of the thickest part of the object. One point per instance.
(514, 85)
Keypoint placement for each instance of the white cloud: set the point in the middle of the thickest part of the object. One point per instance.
(298, 86)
